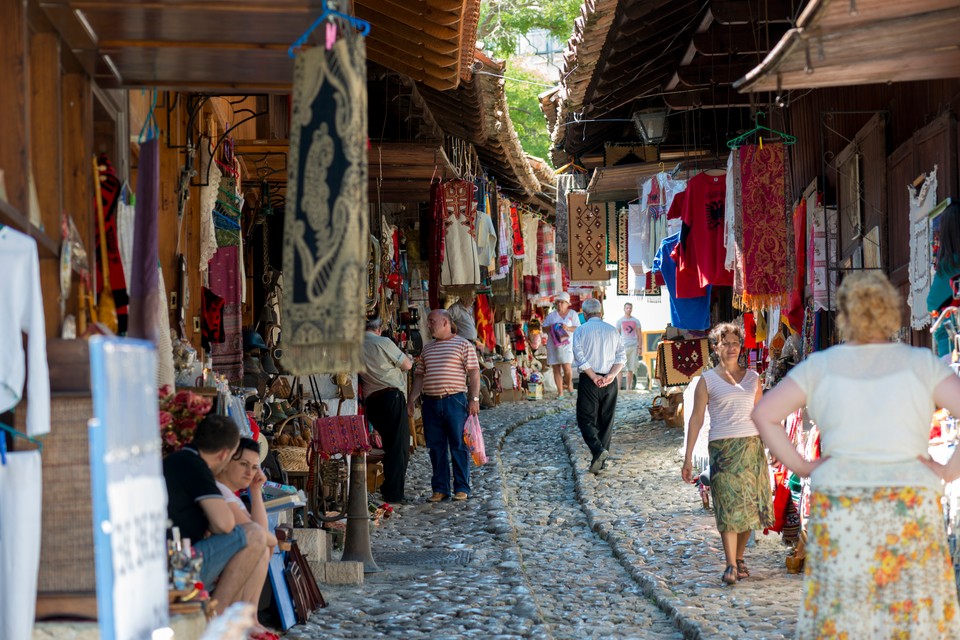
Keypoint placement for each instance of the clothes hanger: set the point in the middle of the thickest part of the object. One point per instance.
(734, 143)
(328, 13)
(16, 434)
(150, 128)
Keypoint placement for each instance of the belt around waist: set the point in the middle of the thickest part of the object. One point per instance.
(380, 392)
(442, 395)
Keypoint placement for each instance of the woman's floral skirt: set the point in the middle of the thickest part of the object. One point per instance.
(878, 566)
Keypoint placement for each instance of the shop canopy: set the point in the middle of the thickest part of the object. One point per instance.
(842, 42)
(242, 44)
(626, 56)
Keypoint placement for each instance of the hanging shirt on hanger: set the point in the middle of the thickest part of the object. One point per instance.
(22, 311)
(460, 266)
(685, 313)
(702, 229)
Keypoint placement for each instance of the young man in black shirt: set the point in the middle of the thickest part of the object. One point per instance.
(235, 557)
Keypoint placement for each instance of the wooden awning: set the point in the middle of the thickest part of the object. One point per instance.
(398, 171)
(242, 44)
(610, 184)
(838, 42)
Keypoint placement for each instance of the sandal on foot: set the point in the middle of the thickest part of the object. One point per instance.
(742, 571)
(730, 575)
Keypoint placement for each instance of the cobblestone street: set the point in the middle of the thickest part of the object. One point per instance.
(554, 551)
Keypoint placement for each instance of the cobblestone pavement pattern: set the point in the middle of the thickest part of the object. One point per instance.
(560, 553)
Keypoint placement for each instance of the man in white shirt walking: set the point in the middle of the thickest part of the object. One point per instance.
(599, 355)
(629, 329)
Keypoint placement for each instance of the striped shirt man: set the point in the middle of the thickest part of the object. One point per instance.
(444, 365)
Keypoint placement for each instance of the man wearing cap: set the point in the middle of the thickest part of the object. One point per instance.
(448, 374)
(599, 355)
(384, 398)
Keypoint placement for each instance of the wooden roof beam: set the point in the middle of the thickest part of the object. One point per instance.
(751, 11)
(722, 40)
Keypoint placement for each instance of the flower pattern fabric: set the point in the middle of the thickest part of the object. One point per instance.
(878, 566)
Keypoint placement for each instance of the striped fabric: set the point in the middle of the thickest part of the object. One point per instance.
(444, 365)
(730, 405)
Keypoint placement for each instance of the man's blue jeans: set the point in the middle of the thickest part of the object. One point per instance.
(443, 421)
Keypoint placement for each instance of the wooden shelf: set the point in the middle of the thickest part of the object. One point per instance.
(47, 246)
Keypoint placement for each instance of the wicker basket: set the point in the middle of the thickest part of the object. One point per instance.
(293, 458)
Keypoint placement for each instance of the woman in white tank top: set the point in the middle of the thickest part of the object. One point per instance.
(739, 475)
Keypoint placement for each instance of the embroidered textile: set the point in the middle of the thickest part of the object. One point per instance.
(679, 360)
(565, 184)
(504, 240)
(110, 187)
(730, 207)
(612, 246)
(623, 267)
(767, 226)
(922, 202)
(326, 236)
(461, 264)
(484, 315)
(208, 201)
(588, 239)
(529, 224)
(794, 312)
(225, 282)
(550, 284)
(822, 241)
(517, 228)
(638, 240)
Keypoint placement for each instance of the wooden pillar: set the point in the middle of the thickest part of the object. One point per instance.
(45, 155)
(14, 104)
(77, 151)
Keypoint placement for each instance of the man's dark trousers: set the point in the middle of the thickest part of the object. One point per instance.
(595, 411)
(387, 412)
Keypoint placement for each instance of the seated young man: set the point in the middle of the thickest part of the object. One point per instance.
(235, 555)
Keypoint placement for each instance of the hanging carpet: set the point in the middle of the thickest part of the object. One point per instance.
(326, 224)
(565, 184)
(588, 239)
(767, 226)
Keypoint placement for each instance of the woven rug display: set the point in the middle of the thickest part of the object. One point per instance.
(588, 239)
(325, 232)
(678, 361)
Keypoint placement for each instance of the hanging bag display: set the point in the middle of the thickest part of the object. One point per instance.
(344, 435)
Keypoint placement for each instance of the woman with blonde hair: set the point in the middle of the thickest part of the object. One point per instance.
(877, 563)
(739, 474)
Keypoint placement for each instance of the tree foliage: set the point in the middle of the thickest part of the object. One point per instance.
(522, 87)
(504, 22)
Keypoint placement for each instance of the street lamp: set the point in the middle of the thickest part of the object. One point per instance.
(651, 124)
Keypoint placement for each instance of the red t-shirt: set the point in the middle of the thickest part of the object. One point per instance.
(701, 236)
(688, 277)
